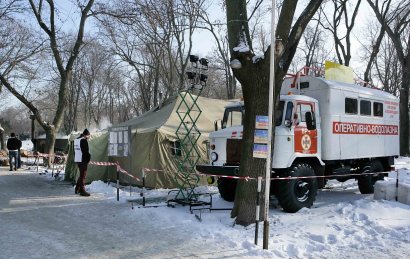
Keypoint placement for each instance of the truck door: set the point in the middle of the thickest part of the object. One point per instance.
(305, 137)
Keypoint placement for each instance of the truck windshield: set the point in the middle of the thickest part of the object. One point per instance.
(279, 113)
(233, 116)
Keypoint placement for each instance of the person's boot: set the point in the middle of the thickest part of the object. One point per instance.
(84, 193)
(77, 190)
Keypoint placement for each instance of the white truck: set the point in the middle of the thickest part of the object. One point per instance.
(323, 128)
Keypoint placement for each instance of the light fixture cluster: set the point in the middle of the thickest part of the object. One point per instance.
(196, 77)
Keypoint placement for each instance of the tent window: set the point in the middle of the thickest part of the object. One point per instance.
(175, 147)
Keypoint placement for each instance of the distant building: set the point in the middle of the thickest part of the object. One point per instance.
(61, 144)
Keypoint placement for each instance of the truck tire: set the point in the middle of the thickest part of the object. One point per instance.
(227, 188)
(366, 182)
(295, 194)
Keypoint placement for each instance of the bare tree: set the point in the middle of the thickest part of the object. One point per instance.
(222, 59)
(340, 15)
(8, 7)
(374, 50)
(64, 68)
(154, 39)
(394, 17)
(387, 68)
(313, 43)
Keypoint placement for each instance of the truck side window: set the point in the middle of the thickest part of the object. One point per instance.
(365, 107)
(233, 116)
(350, 106)
(279, 113)
(378, 109)
(301, 111)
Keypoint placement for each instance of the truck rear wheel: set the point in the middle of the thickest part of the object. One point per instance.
(366, 182)
(227, 188)
(295, 194)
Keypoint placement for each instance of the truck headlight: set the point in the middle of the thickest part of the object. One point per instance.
(214, 156)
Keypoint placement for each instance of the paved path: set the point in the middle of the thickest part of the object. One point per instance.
(42, 218)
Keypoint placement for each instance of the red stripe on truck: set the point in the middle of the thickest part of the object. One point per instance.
(362, 128)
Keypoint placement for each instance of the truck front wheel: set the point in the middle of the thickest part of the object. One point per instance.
(227, 188)
(295, 194)
(366, 182)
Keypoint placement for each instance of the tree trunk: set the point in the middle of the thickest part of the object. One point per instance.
(50, 143)
(255, 81)
(404, 110)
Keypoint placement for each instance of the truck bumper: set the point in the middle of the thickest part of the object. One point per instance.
(218, 170)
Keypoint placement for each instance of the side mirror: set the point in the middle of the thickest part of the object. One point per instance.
(288, 123)
(310, 122)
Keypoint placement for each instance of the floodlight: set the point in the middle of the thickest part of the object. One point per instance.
(193, 58)
(191, 75)
(204, 62)
(203, 78)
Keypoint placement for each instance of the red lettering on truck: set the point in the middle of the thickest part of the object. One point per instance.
(362, 128)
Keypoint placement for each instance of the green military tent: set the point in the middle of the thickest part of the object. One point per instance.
(153, 144)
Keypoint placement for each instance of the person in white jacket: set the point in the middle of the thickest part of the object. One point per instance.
(82, 157)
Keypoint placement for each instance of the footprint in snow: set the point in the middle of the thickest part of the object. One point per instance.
(292, 250)
(317, 238)
(331, 239)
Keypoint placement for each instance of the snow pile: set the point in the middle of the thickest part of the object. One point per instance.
(395, 187)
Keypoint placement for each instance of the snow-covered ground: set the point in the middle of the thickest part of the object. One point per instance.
(342, 224)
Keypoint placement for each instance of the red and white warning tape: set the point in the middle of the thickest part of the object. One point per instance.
(102, 163)
(320, 176)
(119, 168)
(246, 178)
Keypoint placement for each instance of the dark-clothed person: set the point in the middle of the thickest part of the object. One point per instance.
(82, 157)
(13, 146)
